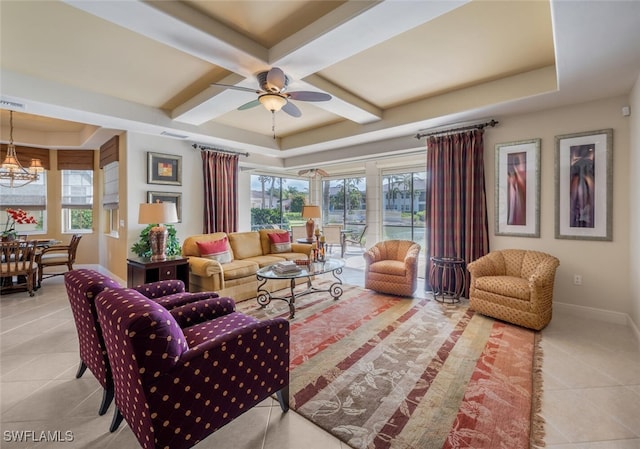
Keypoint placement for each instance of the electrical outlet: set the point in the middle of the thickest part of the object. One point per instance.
(577, 279)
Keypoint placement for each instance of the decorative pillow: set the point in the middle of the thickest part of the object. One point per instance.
(216, 250)
(280, 242)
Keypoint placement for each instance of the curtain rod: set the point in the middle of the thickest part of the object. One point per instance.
(205, 148)
(492, 123)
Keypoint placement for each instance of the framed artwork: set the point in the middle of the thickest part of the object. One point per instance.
(584, 185)
(167, 197)
(518, 188)
(164, 169)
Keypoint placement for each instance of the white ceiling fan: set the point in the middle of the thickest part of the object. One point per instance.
(272, 95)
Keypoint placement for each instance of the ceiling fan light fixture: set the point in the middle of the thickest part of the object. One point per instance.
(273, 102)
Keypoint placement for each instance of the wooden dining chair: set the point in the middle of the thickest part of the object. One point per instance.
(17, 260)
(58, 255)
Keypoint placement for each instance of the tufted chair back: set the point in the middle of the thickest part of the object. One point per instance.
(175, 384)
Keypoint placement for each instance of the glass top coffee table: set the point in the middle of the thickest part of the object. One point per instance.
(333, 266)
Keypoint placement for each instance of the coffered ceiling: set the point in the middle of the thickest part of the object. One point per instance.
(391, 67)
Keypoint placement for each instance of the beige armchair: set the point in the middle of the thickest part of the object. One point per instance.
(391, 266)
(515, 286)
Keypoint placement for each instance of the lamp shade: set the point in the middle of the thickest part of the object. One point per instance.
(311, 212)
(157, 213)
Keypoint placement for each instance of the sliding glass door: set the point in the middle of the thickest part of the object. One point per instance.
(344, 202)
(403, 206)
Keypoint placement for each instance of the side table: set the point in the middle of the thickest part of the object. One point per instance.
(447, 278)
(142, 270)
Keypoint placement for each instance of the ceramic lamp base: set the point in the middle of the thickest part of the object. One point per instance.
(158, 241)
(310, 227)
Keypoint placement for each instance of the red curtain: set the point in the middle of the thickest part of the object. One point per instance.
(220, 192)
(456, 209)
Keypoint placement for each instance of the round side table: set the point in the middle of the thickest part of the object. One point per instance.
(447, 278)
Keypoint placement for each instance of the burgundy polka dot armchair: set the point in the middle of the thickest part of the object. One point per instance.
(181, 374)
(83, 285)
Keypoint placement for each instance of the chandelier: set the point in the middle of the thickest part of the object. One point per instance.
(12, 173)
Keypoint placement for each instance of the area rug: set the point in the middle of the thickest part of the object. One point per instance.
(379, 371)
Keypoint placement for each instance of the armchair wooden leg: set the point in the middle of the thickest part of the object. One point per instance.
(107, 397)
(81, 369)
(283, 398)
(115, 422)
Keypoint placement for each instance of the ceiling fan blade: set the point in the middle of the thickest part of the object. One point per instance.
(303, 172)
(276, 78)
(244, 89)
(292, 109)
(309, 96)
(251, 104)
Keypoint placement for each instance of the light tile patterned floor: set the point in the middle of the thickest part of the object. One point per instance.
(591, 397)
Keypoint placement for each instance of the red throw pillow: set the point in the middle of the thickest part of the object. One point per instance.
(280, 242)
(216, 250)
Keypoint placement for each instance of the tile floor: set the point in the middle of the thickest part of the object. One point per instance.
(591, 394)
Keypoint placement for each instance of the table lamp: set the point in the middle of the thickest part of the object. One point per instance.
(310, 212)
(158, 214)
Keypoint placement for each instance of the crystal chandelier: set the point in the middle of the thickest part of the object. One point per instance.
(12, 173)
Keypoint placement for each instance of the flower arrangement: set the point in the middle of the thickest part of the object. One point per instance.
(16, 216)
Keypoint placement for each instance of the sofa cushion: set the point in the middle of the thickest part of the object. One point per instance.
(216, 250)
(190, 245)
(280, 242)
(265, 241)
(240, 269)
(263, 261)
(245, 244)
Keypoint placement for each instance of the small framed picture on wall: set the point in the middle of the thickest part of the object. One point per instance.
(517, 192)
(167, 197)
(164, 169)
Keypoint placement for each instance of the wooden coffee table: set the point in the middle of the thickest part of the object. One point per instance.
(333, 266)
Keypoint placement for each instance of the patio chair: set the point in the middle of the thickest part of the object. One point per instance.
(349, 236)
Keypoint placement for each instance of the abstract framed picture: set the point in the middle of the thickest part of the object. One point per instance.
(164, 169)
(584, 185)
(167, 197)
(517, 195)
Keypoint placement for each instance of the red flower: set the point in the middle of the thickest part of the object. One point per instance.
(17, 217)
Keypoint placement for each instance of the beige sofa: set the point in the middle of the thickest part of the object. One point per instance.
(237, 279)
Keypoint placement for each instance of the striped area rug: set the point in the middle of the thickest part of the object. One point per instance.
(379, 371)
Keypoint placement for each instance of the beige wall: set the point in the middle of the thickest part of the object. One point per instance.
(634, 206)
(113, 249)
(603, 265)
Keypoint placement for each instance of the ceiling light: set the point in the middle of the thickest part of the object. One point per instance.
(12, 173)
(273, 102)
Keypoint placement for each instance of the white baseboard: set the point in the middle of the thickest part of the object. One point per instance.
(598, 314)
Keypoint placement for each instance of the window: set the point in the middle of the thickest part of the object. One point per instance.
(277, 202)
(403, 206)
(111, 198)
(344, 202)
(32, 198)
(77, 200)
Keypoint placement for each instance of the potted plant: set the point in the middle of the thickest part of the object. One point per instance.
(143, 248)
(15, 216)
